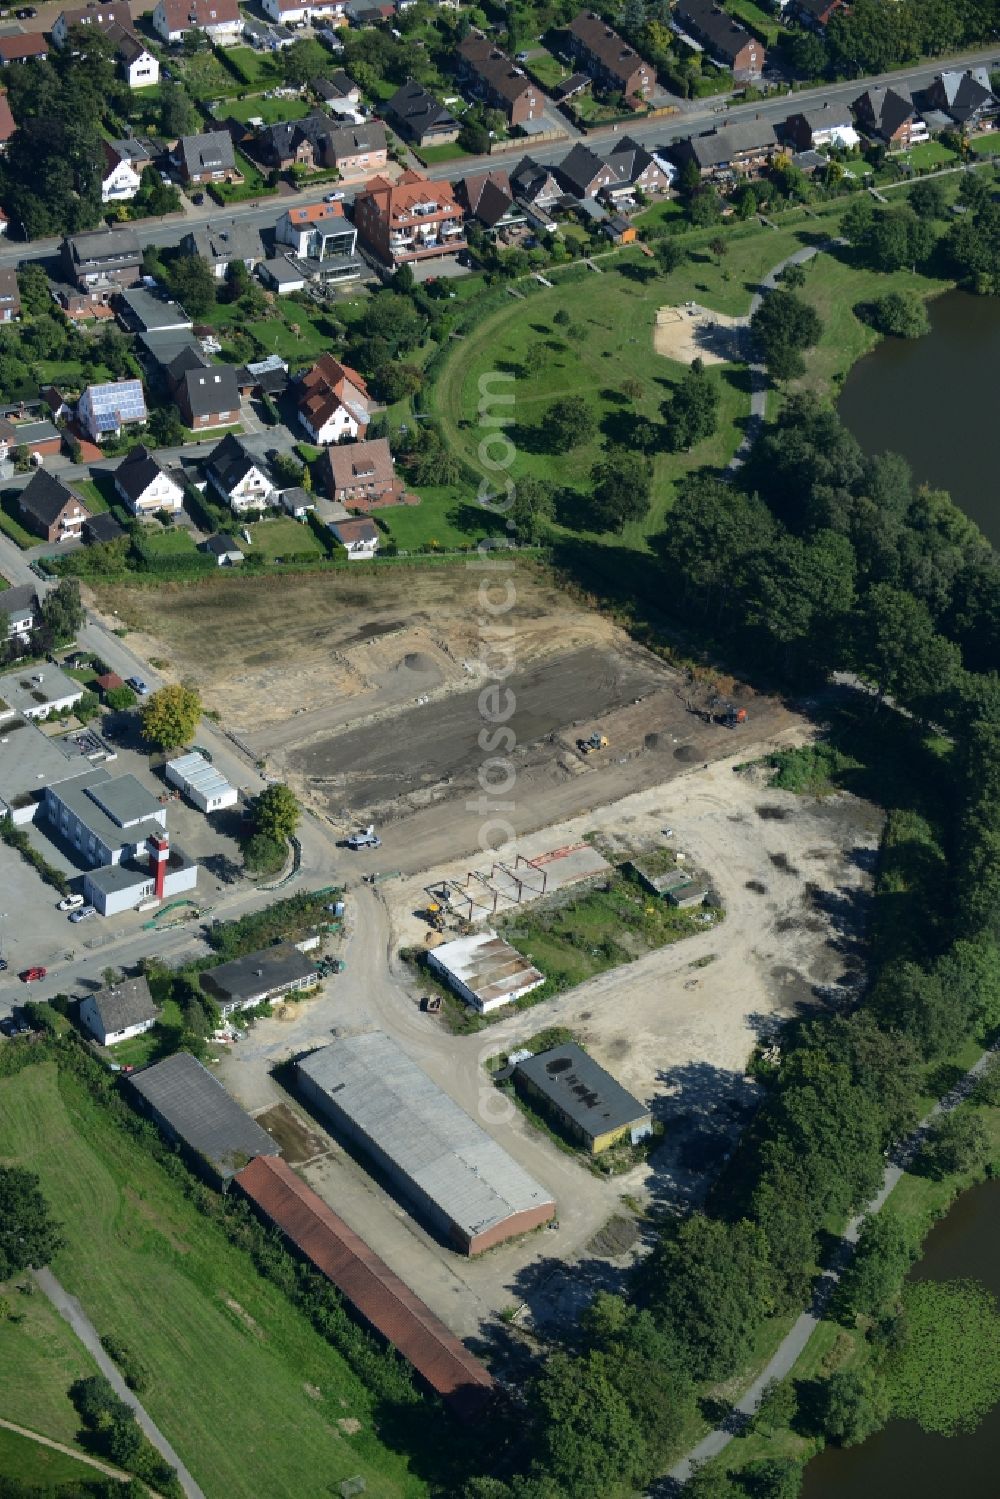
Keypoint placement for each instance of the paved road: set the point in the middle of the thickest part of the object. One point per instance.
(72, 1312)
(691, 119)
(787, 1354)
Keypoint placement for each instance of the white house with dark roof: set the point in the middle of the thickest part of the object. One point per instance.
(119, 1012)
(146, 486)
(105, 410)
(239, 478)
(18, 612)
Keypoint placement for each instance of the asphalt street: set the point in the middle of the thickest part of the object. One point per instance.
(691, 119)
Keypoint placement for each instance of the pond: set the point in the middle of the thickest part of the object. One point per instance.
(903, 1462)
(934, 400)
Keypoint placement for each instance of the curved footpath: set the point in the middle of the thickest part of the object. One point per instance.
(787, 1353)
(73, 1452)
(72, 1312)
(758, 373)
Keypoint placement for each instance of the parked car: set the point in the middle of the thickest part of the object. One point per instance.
(70, 902)
(521, 57)
(27, 13)
(137, 685)
(83, 913)
(198, 198)
(29, 975)
(334, 198)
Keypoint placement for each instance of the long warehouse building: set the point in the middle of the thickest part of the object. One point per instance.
(376, 1294)
(463, 1184)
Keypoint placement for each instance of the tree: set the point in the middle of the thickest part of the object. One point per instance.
(670, 255)
(62, 611)
(898, 649)
(589, 1442)
(191, 281)
(298, 62)
(850, 1406)
(710, 1285)
(927, 199)
(900, 314)
(896, 238)
(169, 717)
(28, 1236)
(533, 505)
(178, 115)
(33, 284)
(275, 812)
(784, 326)
(773, 1478)
(264, 855)
(705, 207)
(165, 428)
(287, 470)
(955, 1142)
(777, 1406)
(621, 483)
(396, 381)
(793, 277)
(944, 1372)
(120, 698)
(691, 411)
(873, 1279)
(156, 196)
(567, 423)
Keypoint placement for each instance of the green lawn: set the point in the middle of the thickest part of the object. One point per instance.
(446, 516)
(39, 1360)
(155, 1043)
(10, 523)
(32, 1464)
(570, 942)
(282, 536)
(608, 341)
(268, 110)
(249, 1394)
(205, 76)
(764, 24)
(94, 494)
(176, 542)
(450, 151)
(548, 70)
(930, 154)
(276, 333)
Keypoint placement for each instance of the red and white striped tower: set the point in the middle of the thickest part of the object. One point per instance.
(159, 856)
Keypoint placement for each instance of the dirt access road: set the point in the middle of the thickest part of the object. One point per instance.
(676, 1027)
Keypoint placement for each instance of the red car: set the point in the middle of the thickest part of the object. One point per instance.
(30, 974)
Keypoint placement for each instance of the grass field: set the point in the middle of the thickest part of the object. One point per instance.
(39, 1360)
(599, 930)
(542, 65)
(250, 1395)
(608, 341)
(91, 492)
(282, 537)
(987, 145)
(206, 77)
(447, 516)
(930, 154)
(11, 525)
(176, 542)
(276, 333)
(30, 1463)
(765, 25)
(268, 110)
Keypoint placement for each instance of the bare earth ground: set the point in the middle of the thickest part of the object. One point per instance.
(365, 695)
(676, 1027)
(690, 332)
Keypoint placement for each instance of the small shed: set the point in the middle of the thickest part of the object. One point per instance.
(589, 1104)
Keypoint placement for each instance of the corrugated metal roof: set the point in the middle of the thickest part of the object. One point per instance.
(429, 1139)
(198, 775)
(368, 1284)
(199, 1111)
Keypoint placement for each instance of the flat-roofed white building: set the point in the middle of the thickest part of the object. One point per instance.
(201, 783)
(485, 970)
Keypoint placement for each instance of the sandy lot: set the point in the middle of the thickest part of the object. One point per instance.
(690, 332)
(676, 1028)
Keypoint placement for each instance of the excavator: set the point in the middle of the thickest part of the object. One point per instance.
(595, 742)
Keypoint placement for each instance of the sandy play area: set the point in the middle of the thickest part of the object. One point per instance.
(690, 332)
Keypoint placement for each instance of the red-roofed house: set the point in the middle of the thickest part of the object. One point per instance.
(410, 219)
(219, 19)
(359, 537)
(7, 122)
(22, 47)
(361, 475)
(333, 401)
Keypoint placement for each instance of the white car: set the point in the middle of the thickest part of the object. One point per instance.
(334, 198)
(70, 902)
(83, 913)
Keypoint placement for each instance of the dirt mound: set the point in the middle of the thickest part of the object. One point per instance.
(417, 661)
